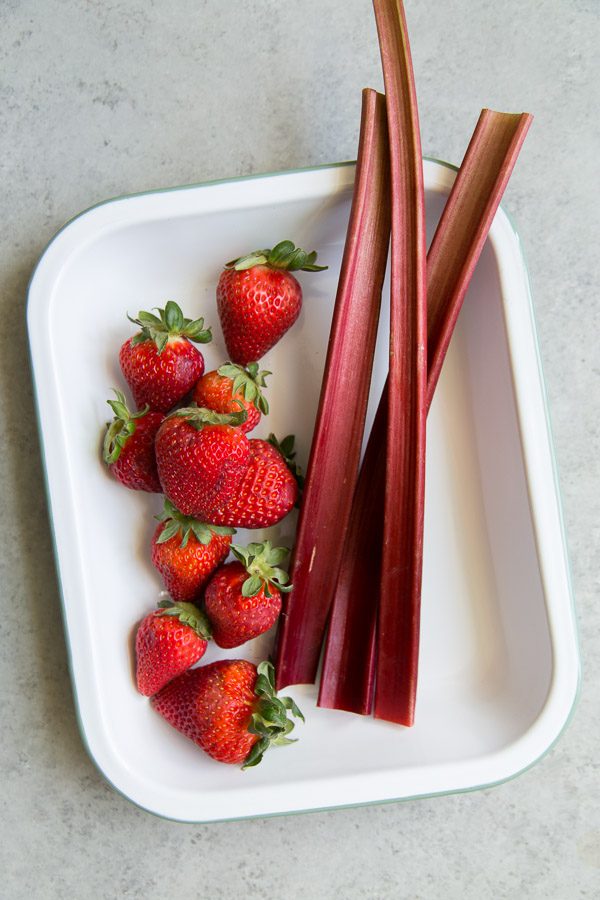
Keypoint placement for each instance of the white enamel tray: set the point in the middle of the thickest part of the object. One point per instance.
(499, 658)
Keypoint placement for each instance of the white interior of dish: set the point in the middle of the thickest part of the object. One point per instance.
(489, 620)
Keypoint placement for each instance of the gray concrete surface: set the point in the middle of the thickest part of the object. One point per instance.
(101, 98)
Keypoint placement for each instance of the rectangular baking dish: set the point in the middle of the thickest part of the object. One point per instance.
(499, 657)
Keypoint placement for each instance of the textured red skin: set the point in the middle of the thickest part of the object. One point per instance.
(256, 308)
(201, 470)
(136, 465)
(234, 618)
(161, 379)
(185, 570)
(164, 649)
(214, 391)
(267, 493)
(213, 706)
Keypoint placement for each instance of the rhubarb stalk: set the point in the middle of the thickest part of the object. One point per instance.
(335, 452)
(402, 549)
(347, 680)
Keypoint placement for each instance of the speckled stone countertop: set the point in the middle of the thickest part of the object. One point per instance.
(104, 98)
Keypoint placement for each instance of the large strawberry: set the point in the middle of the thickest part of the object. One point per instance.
(167, 643)
(129, 446)
(160, 362)
(230, 709)
(243, 598)
(267, 492)
(258, 298)
(202, 458)
(186, 552)
(230, 386)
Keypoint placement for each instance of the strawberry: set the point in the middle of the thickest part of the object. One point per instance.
(202, 459)
(160, 363)
(167, 643)
(231, 386)
(267, 492)
(243, 598)
(258, 299)
(186, 552)
(129, 446)
(230, 709)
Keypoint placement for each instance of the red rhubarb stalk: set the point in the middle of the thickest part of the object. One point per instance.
(335, 452)
(402, 549)
(347, 680)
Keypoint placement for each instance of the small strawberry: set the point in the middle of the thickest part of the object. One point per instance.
(186, 552)
(160, 363)
(229, 386)
(202, 459)
(243, 598)
(258, 299)
(167, 643)
(267, 492)
(129, 446)
(230, 709)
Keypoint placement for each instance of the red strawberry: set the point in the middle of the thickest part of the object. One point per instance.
(168, 642)
(129, 446)
(230, 709)
(267, 493)
(186, 552)
(202, 460)
(160, 363)
(243, 599)
(259, 300)
(231, 386)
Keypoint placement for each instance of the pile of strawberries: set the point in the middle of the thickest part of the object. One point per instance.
(188, 439)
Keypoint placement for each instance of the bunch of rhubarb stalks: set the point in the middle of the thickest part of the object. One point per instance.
(357, 587)
(353, 591)
(188, 440)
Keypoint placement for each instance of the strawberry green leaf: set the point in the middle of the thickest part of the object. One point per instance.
(261, 562)
(251, 586)
(286, 448)
(293, 708)
(199, 416)
(178, 524)
(170, 322)
(188, 614)
(270, 720)
(121, 428)
(285, 255)
(247, 381)
(256, 753)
